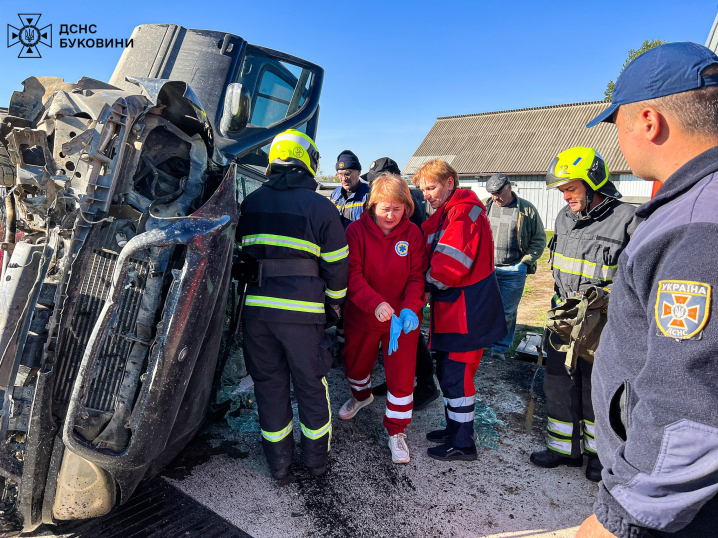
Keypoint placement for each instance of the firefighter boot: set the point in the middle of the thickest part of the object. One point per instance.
(593, 469)
(550, 459)
(283, 476)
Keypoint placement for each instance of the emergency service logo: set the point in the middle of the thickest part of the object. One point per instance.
(402, 248)
(682, 308)
(29, 36)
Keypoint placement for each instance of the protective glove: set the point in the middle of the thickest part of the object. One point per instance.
(409, 320)
(394, 333)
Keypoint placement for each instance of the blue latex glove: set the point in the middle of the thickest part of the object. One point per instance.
(394, 333)
(409, 320)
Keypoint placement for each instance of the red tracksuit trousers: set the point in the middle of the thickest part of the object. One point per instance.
(361, 351)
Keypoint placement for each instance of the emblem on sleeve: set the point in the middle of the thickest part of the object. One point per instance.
(402, 248)
(682, 308)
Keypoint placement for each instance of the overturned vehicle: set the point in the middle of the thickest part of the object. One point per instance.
(119, 208)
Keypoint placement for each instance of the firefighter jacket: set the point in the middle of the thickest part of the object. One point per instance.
(585, 247)
(351, 204)
(466, 308)
(383, 268)
(285, 219)
(655, 379)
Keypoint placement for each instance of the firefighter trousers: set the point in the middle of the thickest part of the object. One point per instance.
(361, 352)
(571, 428)
(456, 377)
(274, 353)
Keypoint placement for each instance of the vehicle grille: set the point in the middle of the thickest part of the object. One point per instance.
(115, 349)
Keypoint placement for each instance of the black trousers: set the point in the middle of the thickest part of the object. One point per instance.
(276, 351)
(424, 365)
(571, 428)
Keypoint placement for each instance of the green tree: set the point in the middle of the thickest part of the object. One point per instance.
(632, 55)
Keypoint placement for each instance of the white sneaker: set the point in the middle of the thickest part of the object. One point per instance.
(399, 448)
(351, 407)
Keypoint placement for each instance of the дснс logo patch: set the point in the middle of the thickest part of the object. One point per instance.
(29, 36)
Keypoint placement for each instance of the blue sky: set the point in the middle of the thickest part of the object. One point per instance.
(393, 67)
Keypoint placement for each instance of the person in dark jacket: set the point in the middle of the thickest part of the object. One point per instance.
(519, 241)
(591, 232)
(387, 262)
(296, 235)
(466, 308)
(353, 193)
(655, 382)
(425, 391)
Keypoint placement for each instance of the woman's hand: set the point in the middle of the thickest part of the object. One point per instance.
(383, 312)
(426, 296)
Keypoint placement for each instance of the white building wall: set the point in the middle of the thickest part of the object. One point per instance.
(550, 202)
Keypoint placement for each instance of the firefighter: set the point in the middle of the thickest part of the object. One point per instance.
(298, 238)
(466, 309)
(656, 374)
(425, 391)
(590, 234)
(350, 197)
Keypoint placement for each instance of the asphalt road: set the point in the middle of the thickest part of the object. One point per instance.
(364, 494)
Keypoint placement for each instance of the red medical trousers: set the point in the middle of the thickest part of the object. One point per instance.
(361, 351)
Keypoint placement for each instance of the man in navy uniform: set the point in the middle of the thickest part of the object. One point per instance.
(350, 197)
(655, 378)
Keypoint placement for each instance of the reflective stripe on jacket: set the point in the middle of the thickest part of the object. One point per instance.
(286, 219)
(351, 207)
(466, 308)
(585, 251)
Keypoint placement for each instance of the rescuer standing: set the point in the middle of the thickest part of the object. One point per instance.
(656, 375)
(296, 236)
(590, 234)
(466, 309)
(350, 197)
(519, 241)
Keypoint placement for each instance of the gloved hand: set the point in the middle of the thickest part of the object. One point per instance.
(409, 320)
(394, 333)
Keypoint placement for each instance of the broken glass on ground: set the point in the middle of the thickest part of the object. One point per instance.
(484, 421)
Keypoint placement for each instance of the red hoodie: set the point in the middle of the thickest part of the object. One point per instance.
(383, 268)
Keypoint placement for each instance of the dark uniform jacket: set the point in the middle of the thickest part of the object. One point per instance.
(351, 205)
(286, 219)
(585, 248)
(655, 378)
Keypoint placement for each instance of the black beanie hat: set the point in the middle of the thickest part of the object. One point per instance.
(347, 160)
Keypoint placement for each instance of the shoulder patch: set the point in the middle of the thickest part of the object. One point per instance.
(682, 308)
(402, 248)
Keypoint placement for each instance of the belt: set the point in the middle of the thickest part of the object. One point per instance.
(292, 267)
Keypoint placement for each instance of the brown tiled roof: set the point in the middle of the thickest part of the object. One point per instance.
(521, 141)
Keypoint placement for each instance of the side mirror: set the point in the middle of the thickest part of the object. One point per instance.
(235, 115)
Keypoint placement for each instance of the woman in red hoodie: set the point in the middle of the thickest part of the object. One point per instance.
(466, 308)
(387, 262)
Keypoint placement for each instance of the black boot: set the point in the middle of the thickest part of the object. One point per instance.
(449, 452)
(594, 468)
(424, 395)
(380, 389)
(317, 471)
(550, 459)
(439, 436)
(283, 476)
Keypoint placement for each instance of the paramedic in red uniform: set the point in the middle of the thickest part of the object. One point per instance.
(466, 308)
(387, 262)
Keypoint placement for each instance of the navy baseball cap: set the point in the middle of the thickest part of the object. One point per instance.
(663, 70)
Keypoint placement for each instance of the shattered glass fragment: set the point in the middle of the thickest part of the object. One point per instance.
(484, 420)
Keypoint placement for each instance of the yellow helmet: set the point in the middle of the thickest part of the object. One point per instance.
(294, 148)
(581, 163)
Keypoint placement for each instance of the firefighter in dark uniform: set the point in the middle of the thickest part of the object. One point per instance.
(350, 197)
(297, 237)
(590, 234)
